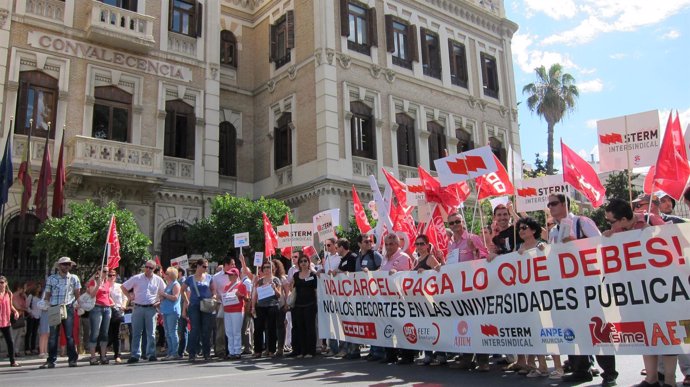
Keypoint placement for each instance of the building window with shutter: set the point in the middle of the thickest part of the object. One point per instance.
(228, 49)
(465, 142)
(185, 17)
(497, 149)
(401, 41)
(431, 53)
(358, 23)
(407, 149)
(180, 125)
(283, 141)
(362, 129)
(489, 75)
(437, 142)
(130, 5)
(282, 39)
(458, 63)
(111, 114)
(227, 153)
(37, 101)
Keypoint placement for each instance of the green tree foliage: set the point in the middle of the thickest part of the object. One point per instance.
(551, 97)
(81, 235)
(233, 215)
(539, 168)
(352, 231)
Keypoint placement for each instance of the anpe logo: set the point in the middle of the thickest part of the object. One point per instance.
(410, 333)
(556, 335)
(364, 330)
(623, 333)
(388, 331)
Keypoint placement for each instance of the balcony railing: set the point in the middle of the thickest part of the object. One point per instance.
(363, 167)
(118, 25)
(182, 44)
(181, 169)
(37, 146)
(53, 10)
(121, 156)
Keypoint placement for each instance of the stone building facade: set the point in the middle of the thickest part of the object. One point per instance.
(166, 103)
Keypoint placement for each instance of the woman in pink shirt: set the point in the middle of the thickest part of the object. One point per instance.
(99, 316)
(7, 310)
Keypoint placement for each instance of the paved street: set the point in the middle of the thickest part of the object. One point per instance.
(313, 372)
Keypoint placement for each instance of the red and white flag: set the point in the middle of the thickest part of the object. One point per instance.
(578, 173)
(466, 165)
(436, 231)
(360, 215)
(270, 237)
(286, 251)
(399, 189)
(672, 169)
(495, 183)
(113, 244)
(450, 197)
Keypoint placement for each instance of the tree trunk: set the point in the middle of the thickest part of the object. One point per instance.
(549, 152)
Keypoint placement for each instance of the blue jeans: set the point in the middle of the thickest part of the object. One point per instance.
(182, 333)
(202, 324)
(99, 319)
(333, 345)
(143, 318)
(170, 325)
(68, 326)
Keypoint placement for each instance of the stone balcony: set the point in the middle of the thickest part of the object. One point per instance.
(114, 156)
(51, 10)
(120, 27)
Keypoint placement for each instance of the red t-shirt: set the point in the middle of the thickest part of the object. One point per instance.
(233, 297)
(103, 293)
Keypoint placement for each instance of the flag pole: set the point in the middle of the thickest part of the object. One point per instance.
(105, 250)
(476, 203)
(2, 220)
(629, 170)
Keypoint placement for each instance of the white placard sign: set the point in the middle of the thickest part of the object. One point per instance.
(533, 194)
(181, 261)
(631, 141)
(242, 239)
(324, 226)
(296, 234)
(415, 191)
(258, 258)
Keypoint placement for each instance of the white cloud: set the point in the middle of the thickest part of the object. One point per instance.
(553, 9)
(671, 35)
(529, 58)
(591, 124)
(683, 115)
(593, 86)
(618, 56)
(603, 16)
(595, 152)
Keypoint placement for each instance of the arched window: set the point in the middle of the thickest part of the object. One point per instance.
(465, 142)
(362, 129)
(38, 96)
(227, 157)
(18, 260)
(180, 125)
(437, 143)
(228, 49)
(173, 243)
(407, 150)
(283, 141)
(498, 150)
(112, 113)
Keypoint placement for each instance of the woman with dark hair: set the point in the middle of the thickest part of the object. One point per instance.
(304, 311)
(279, 272)
(7, 311)
(200, 286)
(33, 317)
(427, 261)
(99, 317)
(265, 305)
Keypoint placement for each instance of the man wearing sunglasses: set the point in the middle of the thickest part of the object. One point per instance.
(465, 246)
(641, 205)
(146, 287)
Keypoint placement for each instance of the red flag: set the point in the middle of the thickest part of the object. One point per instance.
(44, 180)
(59, 186)
(24, 175)
(449, 197)
(270, 237)
(360, 215)
(309, 251)
(672, 169)
(158, 261)
(495, 183)
(648, 186)
(578, 173)
(286, 251)
(399, 188)
(436, 231)
(113, 244)
(404, 223)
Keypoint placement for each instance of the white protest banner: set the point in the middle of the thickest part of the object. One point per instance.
(415, 191)
(466, 165)
(630, 141)
(258, 258)
(324, 226)
(180, 261)
(627, 294)
(533, 194)
(335, 217)
(295, 234)
(242, 239)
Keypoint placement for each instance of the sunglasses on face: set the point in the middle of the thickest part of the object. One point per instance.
(205, 266)
(112, 275)
(328, 245)
(640, 205)
(303, 261)
(524, 228)
(65, 264)
(553, 204)
(2, 282)
(420, 244)
(149, 267)
(454, 222)
(612, 222)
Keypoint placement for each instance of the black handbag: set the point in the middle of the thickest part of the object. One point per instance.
(117, 313)
(17, 323)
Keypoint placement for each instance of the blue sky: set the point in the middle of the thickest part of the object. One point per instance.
(627, 56)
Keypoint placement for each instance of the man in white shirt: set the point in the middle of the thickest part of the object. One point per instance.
(330, 266)
(221, 280)
(146, 287)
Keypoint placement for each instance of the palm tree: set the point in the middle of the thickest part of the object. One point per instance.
(551, 97)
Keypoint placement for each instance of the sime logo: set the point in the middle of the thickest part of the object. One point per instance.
(388, 331)
(625, 333)
(364, 330)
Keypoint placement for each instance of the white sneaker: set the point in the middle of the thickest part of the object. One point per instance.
(308, 356)
(556, 374)
(535, 373)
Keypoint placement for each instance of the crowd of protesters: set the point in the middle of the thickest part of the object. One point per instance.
(273, 312)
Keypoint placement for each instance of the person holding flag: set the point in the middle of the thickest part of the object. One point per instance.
(99, 317)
